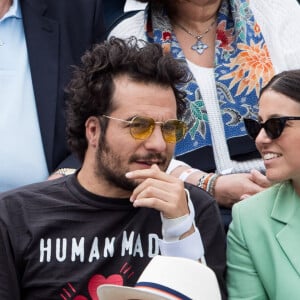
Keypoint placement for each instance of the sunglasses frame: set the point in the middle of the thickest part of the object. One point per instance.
(151, 127)
(251, 125)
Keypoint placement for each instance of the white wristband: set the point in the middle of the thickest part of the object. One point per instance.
(184, 175)
(172, 229)
(190, 247)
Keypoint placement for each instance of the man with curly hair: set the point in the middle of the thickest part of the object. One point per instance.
(63, 238)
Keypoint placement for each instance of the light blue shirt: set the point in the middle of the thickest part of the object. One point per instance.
(22, 158)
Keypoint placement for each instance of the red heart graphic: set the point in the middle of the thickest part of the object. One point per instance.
(80, 298)
(97, 280)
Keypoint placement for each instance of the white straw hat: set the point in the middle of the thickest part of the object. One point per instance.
(167, 277)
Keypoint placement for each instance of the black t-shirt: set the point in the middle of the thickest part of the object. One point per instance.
(58, 241)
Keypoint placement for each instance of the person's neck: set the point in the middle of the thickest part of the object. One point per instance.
(4, 7)
(92, 183)
(296, 186)
(195, 16)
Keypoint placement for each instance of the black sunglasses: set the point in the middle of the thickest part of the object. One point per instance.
(273, 127)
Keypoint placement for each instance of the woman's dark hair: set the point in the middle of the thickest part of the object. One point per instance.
(91, 89)
(286, 83)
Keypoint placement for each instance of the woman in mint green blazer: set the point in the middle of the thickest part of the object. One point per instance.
(264, 237)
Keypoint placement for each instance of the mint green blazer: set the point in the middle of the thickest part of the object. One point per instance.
(263, 253)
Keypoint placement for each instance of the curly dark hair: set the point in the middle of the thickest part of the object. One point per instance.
(92, 86)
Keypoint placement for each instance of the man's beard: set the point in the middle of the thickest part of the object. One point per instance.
(111, 167)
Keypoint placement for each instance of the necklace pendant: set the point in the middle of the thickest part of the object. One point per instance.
(199, 46)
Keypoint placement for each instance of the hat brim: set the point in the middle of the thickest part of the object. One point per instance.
(115, 292)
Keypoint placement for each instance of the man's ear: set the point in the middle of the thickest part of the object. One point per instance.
(92, 131)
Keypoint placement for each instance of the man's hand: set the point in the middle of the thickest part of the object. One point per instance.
(160, 191)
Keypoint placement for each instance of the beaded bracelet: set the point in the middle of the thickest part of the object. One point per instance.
(212, 183)
(203, 181)
(208, 182)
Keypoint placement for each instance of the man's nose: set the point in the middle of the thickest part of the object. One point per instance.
(156, 140)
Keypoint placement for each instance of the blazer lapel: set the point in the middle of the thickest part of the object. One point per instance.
(42, 37)
(286, 210)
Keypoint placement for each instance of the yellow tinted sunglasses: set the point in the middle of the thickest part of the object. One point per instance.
(142, 127)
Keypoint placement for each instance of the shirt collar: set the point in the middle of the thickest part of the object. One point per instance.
(14, 11)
